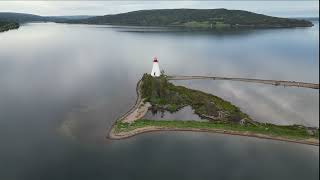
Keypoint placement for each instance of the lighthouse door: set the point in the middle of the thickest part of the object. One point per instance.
(154, 73)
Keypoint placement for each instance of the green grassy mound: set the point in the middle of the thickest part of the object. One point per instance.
(291, 132)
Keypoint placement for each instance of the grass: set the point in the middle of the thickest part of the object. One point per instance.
(290, 132)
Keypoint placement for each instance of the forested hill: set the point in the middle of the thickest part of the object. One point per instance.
(197, 18)
(24, 18)
(6, 26)
(20, 17)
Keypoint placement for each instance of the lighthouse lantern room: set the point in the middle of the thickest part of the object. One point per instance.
(155, 68)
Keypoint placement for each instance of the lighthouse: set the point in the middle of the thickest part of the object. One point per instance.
(155, 68)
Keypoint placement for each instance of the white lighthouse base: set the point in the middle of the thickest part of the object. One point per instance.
(155, 70)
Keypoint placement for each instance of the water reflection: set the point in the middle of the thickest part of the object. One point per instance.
(75, 80)
(184, 114)
(265, 103)
(56, 69)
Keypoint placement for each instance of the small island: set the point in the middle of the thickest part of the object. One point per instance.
(6, 26)
(158, 94)
(196, 18)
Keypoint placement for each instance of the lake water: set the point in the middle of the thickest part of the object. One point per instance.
(184, 114)
(62, 87)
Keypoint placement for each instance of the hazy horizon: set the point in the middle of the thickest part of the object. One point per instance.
(92, 8)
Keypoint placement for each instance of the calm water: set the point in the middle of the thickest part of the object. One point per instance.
(183, 114)
(62, 86)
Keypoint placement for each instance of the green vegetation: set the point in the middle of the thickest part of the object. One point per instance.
(196, 18)
(19, 17)
(291, 132)
(23, 17)
(186, 18)
(5, 26)
(224, 117)
(164, 95)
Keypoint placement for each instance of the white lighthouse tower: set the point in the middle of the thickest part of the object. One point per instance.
(155, 68)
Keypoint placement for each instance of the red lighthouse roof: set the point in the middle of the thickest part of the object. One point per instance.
(155, 59)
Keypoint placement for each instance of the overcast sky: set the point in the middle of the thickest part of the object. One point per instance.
(55, 8)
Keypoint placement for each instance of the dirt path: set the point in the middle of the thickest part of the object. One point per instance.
(138, 112)
(134, 111)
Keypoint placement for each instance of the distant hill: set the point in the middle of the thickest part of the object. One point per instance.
(309, 18)
(191, 18)
(196, 18)
(61, 19)
(23, 18)
(20, 17)
(75, 17)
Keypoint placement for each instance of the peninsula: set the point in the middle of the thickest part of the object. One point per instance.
(158, 94)
(196, 18)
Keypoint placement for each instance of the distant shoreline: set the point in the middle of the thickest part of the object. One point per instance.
(261, 81)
